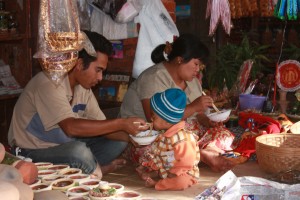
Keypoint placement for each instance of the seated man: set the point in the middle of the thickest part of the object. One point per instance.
(64, 124)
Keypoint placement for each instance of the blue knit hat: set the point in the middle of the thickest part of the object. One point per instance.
(169, 105)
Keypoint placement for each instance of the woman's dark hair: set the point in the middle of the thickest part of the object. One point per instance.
(100, 43)
(187, 46)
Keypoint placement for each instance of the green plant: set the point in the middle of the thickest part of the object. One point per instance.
(292, 52)
(229, 59)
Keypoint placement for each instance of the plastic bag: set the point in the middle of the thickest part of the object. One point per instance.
(103, 24)
(110, 7)
(157, 27)
(84, 14)
(129, 10)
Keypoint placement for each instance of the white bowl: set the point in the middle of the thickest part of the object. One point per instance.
(117, 186)
(219, 116)
(79, 198)
(62, 184)
(58, 167)
(50, 178)
(91, 183)
(46, 172)
(79, 177)
(43, 165)
(128, 195)
(70, 171)
(40, 187)
(143, 138)
(78, 191)
(97, 194)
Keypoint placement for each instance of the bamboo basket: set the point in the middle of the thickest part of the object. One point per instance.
(278, 152)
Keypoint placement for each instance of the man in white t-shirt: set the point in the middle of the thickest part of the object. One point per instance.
(64, 124)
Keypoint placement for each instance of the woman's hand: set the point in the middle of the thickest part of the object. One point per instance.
(202, 103)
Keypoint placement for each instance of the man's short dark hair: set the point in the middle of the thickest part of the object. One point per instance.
(100, 43)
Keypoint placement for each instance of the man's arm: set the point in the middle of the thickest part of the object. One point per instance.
(75, 127)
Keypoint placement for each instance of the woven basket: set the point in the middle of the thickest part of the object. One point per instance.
(278, 152)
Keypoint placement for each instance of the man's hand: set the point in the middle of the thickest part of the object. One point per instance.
(134, 125)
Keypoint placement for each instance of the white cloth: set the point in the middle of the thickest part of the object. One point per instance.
(157, 27)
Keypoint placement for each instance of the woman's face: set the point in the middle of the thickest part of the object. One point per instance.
(188, 71)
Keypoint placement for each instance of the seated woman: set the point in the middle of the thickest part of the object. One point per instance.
(177, 66)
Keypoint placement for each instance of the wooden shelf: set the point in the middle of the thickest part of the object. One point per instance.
(12, 37)
(9, 96)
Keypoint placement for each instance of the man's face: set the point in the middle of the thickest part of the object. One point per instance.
(91, 76)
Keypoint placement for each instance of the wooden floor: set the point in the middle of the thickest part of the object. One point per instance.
(129, 178)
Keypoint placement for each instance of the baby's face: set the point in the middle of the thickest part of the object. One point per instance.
(159, 123)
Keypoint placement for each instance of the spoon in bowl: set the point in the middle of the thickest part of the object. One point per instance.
(213, 105)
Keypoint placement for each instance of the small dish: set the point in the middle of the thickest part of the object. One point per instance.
(50, 178)
(43, 165)
(79, 177)
(128, 195)
(78, 191)
(80, 198)
(91, 183)
(70, 171)
(62, 184)
(58, 167)
(37, 181)
(102, 193)
(117, 186)
(46, 172)
(40, 187)
(219, 116)
(145, 137)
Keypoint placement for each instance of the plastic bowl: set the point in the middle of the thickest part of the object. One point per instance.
(219, 116)
(78, 191)
(143, 138)
(62, 184)
(40, 187)
(250, 101)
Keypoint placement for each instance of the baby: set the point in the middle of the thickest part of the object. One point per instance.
(174, 155)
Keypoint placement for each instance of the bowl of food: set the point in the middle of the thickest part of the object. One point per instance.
(46, 172)
(40, 187)
(50, 178)
(78, 191)
(145, 137)
(79, 198)
(128, 195)
(62, 184)
(43, 165)
(70, 171)
(58, 167)
(102, 192)
(117, 186)
(91, 183)
(79, 177)
(220, 116)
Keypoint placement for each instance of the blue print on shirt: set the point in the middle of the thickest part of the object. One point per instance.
(79, 107)
(56, 135)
